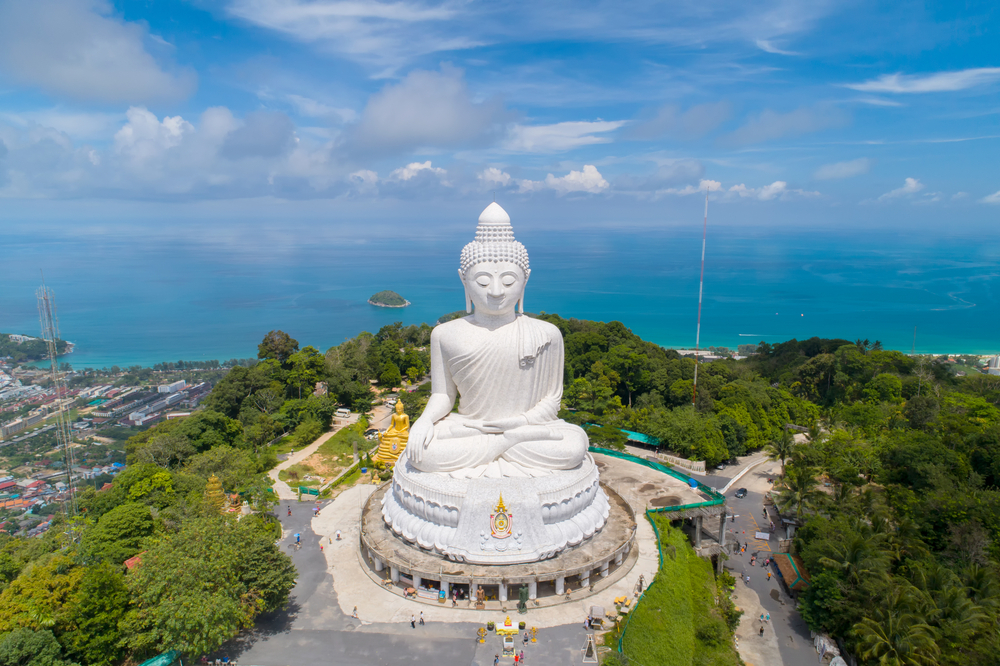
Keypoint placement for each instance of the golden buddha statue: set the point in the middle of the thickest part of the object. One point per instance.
(393, 441)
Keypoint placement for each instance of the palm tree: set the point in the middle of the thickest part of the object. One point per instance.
(895, 634)
(781, 448)
(798, 490)
(858, 557)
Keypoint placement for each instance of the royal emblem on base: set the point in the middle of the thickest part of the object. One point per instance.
(500, 521)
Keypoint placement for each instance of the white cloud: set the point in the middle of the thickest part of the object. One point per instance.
(415, 169)
(494, 176)
(878, 101)
(671, 121)
(145, 137)
(79, 49)
(992, 198)
(703, 186)
(311, 108)
(589, 180)
(777, 190)
(958, 196)
(769, 47)
(558, 137)
(425, 110)
(928, 83)
(76, 124)
(383, 34)
(769, 125)
(365, 180)
(910, 187)
(839, 170)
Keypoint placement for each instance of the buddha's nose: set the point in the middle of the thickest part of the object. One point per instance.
(496, 289)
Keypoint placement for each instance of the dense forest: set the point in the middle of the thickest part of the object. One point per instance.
(896, 491)
(897, 488)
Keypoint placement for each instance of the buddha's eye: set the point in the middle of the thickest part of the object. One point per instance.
(483, 280)
(508, 280)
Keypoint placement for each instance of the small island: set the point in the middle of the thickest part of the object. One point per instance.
(388, 299)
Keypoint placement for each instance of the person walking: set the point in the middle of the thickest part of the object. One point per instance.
(769, 575)
(526, 638)
(413, 621)
(496, 659)
(516, 659)
(762, 631)
(522, 657)
(767, 617)
(421, 618)
(761, 617)
(355, 613)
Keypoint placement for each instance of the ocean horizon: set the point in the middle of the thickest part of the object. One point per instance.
(141, 299)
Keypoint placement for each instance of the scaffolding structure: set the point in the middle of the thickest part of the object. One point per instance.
(50, 334)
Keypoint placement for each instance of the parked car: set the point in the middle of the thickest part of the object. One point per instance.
(740, 493)
(721, 466)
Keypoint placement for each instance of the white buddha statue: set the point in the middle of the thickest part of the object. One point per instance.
(503, 479)
(507, 369)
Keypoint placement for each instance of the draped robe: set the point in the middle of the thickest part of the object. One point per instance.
(515, 370)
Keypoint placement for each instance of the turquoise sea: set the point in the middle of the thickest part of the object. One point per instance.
(143, 298)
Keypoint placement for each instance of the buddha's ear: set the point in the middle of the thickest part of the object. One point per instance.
(520, 303)
(468, 301)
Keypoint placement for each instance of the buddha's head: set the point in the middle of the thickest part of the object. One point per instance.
(399, 406)
(494, 267)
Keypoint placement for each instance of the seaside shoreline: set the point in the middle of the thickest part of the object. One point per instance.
(80, 361)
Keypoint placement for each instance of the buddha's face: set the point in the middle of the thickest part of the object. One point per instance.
(495, 287)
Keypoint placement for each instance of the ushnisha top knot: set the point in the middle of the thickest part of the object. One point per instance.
(494, 241)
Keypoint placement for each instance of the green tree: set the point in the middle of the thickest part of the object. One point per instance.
(197, 588)
(306, 369)
(27, 647)
(895, 635)
(118, 534)
(781, 448)
(390, 376)
(798, 490)
(98, 606)
(40, 597)
(277, 345)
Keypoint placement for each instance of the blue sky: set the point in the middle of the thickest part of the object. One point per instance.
(785, 111)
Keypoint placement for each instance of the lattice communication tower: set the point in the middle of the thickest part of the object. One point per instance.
(50, 334)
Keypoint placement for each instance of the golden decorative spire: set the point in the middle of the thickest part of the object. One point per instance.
(500, 507)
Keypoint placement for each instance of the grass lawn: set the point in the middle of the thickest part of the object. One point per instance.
(341, 445)
(678, 622)
(285, 445)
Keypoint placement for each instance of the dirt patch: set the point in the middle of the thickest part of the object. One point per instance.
(664, 500)
(647, 487)
(323, 466)
(776, 595)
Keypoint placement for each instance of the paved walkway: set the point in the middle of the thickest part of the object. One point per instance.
(282, 489)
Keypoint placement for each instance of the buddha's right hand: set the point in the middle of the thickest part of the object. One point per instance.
(420, 436)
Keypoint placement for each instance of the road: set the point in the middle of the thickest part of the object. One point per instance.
(794, 643)
(313, 630)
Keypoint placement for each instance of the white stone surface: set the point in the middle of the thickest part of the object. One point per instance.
(453, 516)
(377, 604)
(505, 438)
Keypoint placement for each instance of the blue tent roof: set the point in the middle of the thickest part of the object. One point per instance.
(165, 659)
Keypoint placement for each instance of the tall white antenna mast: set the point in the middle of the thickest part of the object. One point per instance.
(50, 334)
(701, 289)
